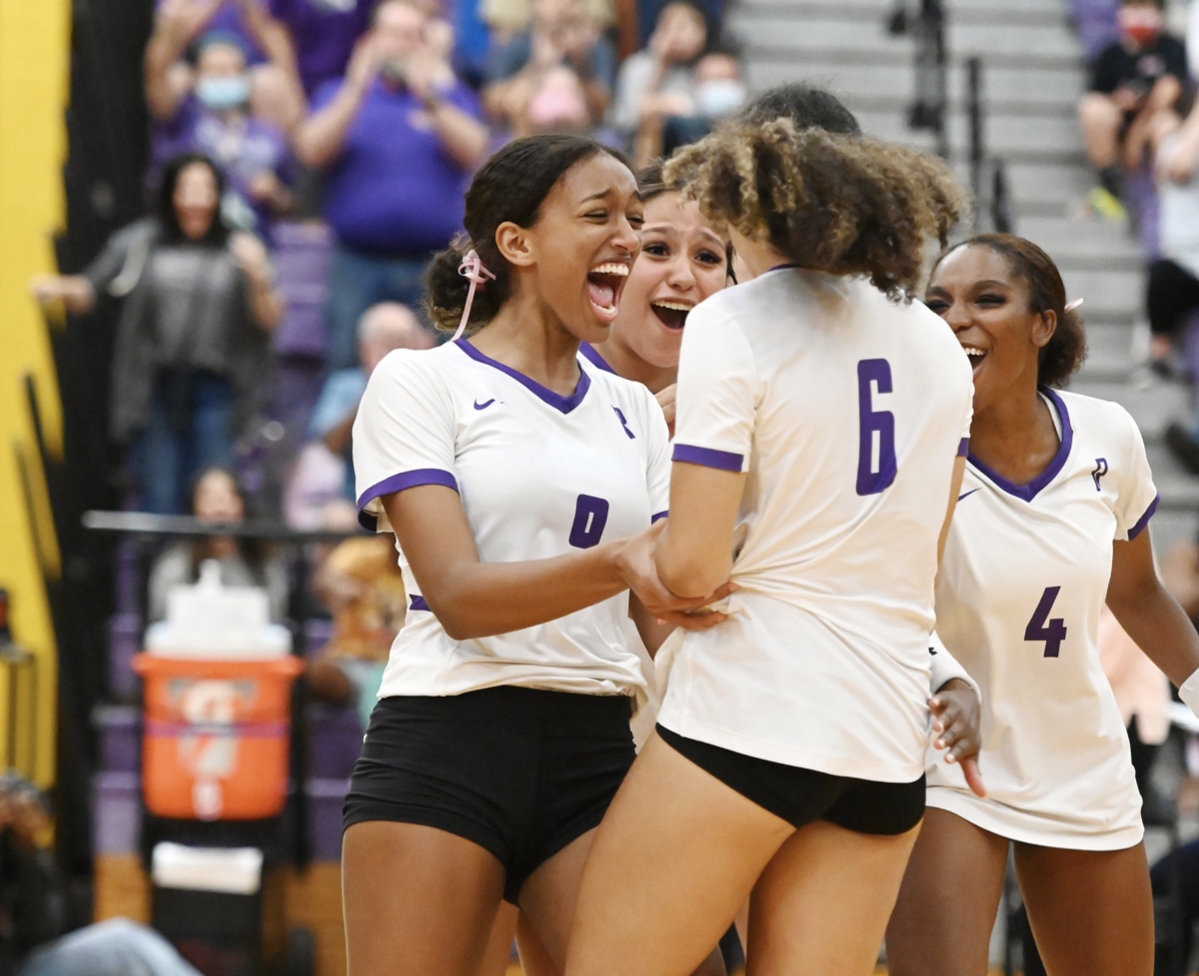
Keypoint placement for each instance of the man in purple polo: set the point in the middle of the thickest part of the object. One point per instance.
(398, 137)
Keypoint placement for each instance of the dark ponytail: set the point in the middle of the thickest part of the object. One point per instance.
(510, 186)
(1060, 358)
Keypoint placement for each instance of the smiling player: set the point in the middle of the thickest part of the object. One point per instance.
(510, 474)
(1050, 521)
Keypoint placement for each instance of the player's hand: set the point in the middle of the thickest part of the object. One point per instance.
(957, 715)
(636, 562)
(666, 400)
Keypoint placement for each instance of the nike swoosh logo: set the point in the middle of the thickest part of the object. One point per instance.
(969, 493)
(484, 406)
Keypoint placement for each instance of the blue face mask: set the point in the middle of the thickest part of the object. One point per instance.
(225, 92)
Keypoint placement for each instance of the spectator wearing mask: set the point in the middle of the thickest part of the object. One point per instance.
(323, 474)
(218, 496)
(398, 138)
(191, 345)
(562, 34)
(659, 82)
(171, 72)
(215, 117)
(719, 92)
(1134, 80)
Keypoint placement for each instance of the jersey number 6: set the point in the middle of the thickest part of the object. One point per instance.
(591, 515)
(1052, 632)
(872, 479)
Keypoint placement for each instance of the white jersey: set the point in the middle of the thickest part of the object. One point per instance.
(847, 411)
(539, 475)
(1023, 578)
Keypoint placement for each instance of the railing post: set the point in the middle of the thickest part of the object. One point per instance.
(929, 110)
(974, 71)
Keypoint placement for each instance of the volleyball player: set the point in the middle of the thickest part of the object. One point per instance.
(508, 473)
(1050, 523)
(816, 456)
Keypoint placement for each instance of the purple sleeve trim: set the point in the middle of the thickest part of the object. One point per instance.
(1143, 521)
(708, 457)
(964, 447)
(659, 515)
(398, 482)
(418, 603)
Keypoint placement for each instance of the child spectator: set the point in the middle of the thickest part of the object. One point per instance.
(659, 81)
(323, 473)
(562, 34)
(215, 118)
(191, 345)
(218, 496)
(398, 138)
(1133, 81)
(361, 584)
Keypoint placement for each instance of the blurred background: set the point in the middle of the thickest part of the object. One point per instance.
(214, 218)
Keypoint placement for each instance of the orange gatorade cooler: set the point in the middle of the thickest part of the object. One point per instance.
(217, 686)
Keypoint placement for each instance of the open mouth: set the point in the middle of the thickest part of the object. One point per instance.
(604, 285)
(975, 355)
(673, 315)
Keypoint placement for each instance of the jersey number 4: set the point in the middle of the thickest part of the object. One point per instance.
(876, 429)
(1040, 628)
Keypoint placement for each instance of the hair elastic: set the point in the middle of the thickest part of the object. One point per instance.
(473, 271)
(1073, 305)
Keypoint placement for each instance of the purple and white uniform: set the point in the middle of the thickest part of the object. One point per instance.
(846, 411)
(539, 475)
(1024, 575)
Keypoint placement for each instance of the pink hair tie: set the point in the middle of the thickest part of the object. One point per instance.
(473, 271)
(1073, 305)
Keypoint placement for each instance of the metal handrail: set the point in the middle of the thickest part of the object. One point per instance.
(930, 109)
(999, 204)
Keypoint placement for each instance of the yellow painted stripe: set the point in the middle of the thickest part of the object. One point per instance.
(34, 65)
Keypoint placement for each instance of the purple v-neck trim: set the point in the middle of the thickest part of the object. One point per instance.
(592, 356)
(1029, 491)
(565, 404)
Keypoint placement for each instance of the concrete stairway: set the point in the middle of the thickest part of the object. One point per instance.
(1033, 77)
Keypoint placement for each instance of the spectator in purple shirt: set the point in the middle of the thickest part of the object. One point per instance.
(398, 138)
(215, 118)
(171, 74)
(323, 34)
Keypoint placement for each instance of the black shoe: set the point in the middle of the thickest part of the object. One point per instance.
(1184, 446)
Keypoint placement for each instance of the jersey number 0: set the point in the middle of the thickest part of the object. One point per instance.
(874, 476)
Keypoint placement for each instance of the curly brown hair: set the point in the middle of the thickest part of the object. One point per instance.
(1061, 357)
(842, 204)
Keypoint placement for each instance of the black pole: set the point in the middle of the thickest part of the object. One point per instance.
(974, 71)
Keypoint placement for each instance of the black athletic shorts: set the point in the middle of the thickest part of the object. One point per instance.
(801, 796)
(519, 771)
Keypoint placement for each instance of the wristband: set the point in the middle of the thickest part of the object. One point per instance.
(945, 667)
(1188, 691)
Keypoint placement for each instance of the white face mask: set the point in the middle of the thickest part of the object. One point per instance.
(720, 97)
(228, 91)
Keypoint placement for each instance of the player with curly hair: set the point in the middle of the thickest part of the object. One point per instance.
(819, 445)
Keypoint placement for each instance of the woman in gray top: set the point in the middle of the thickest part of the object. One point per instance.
(191, 346)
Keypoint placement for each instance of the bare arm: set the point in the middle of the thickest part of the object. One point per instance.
(465, 138)
(266, 304)
(175, 24)
(695, 552)
(320, 137)
(1147, 612)
(75, 291)
(275, 41)
(473, 599)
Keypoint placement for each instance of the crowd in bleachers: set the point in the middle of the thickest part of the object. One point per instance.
(308, 157)
(1141, 130)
